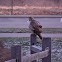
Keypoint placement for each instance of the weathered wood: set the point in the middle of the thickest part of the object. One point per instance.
(33, 42)
(13, 60)
(33, 39)
(36, 48)
(32, 57)
(35, 56)
(16, 53)
(13, 52)
(46, 43)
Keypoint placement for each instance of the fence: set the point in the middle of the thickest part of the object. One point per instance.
(36, 53)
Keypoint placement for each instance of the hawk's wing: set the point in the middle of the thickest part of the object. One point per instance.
(35, 25)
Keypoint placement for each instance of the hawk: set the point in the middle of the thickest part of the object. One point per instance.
(35, 27)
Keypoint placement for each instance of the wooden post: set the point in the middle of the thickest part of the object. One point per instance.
(46, 43)
(33, 39)
(35, 56)
(16, 53)
(33, 42)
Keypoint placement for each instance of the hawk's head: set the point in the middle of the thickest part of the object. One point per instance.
(31, 18)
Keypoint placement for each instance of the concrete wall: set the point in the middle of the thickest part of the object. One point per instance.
(23, 21)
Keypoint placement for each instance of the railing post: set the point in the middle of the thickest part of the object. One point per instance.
(33, 39)
(33, 42)
(46, 43)
(16, 53)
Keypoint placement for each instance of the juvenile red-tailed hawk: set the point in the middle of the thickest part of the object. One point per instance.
(35, 27)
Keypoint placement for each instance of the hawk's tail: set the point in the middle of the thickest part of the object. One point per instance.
(39, 36)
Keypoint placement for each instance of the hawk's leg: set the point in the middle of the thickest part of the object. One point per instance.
(39, 34)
